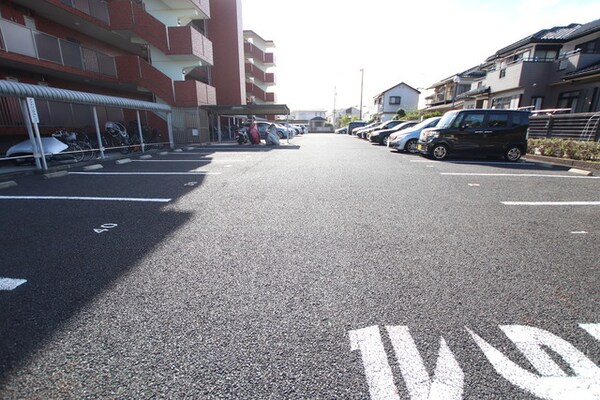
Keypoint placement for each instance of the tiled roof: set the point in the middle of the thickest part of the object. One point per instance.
(585, 29)
(558, 34)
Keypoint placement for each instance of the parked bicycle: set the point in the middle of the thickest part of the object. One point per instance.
(79, 146)
(116, 137)
(152, 136)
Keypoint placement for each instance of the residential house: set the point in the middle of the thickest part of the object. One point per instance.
(444, 93)
(259, 64)
(388, 102)
(351, 112)
(556, 68)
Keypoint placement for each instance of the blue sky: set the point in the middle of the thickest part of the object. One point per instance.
(322, 44)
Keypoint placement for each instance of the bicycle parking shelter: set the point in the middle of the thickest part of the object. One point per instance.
(246, 109)
(25, 91)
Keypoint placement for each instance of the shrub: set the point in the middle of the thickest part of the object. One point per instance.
(565, 148)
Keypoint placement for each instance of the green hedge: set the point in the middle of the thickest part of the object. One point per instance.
(565, 148)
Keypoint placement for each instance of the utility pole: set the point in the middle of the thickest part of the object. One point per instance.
(334, 98)
(362, 73)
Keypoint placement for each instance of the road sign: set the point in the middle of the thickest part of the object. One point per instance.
(33, 110)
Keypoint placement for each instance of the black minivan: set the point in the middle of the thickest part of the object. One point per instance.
(477, 132)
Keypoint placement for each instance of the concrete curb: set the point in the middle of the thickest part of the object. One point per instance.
(7, 184)
(58, 174)
(145, 157)
(565, 162)
(123, 161)
(93, 167)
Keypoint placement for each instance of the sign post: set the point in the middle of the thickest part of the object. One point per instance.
(35, 120)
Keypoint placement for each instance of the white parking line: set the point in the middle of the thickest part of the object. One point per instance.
(551, 203)
(475, 162)
(146, 173)
(129, 199)
(10, 284)
(517, 175)
(200, 160)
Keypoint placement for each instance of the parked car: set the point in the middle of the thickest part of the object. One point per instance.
(381, 136)
(406, 139)
(342, 130)
(355, 124)
(360, 132)
(380, 126)
(477, 132)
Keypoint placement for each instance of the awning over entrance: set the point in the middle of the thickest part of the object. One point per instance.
(249, 109)
(18, 89)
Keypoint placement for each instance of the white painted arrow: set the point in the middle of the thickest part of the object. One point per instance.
(10, 284)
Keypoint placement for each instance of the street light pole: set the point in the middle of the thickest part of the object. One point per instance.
(362, 73)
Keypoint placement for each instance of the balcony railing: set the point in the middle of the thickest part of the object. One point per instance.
(95, 8)
(187, 41)
(192, 93)
(129, 16)
(133, 69)
(16, 38)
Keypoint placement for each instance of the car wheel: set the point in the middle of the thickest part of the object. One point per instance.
(382, 140)
(439, 152)
(411, 146)
(513, 153)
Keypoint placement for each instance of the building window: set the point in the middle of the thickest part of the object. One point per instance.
(568, 100)
(502, 73)
(537, 102)
(505, 103)
(395, 100)
(591, 47)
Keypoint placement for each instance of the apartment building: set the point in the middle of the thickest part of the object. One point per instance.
(445, 93)
(555, 68)
(152, 50)
(259, 65)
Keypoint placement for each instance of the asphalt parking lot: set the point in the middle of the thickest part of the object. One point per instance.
(330, 268)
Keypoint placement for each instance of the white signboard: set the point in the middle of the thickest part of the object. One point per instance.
(33, 110)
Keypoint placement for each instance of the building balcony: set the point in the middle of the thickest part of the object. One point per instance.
(253, 90)
(137, 71)
(258, 74)
(28, 46)
(131, 19)
(252, 51)
(93, 8)
(203, 6)
(520, 74)
(184, 43)
(190, 93)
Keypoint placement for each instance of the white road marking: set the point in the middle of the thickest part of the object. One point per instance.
(552, 382)
(476, 162)
(146, 173)
(448, 378)
(518, 175)
(551, 203)
(197, 160)
(377, 369)
(592, 329)
(10, 284)
(579, 232)
(124, 199)
(474, 184)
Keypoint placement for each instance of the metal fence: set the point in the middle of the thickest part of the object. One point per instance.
(584, 126)
(16, 38)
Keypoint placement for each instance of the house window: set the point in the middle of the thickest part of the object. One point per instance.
(591, 47)
(395, 99)
(536, 102)
(568, 100)
(502, 73)
(505, 103)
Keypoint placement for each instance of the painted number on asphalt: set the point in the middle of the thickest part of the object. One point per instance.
(550, 382)
(105, 228)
